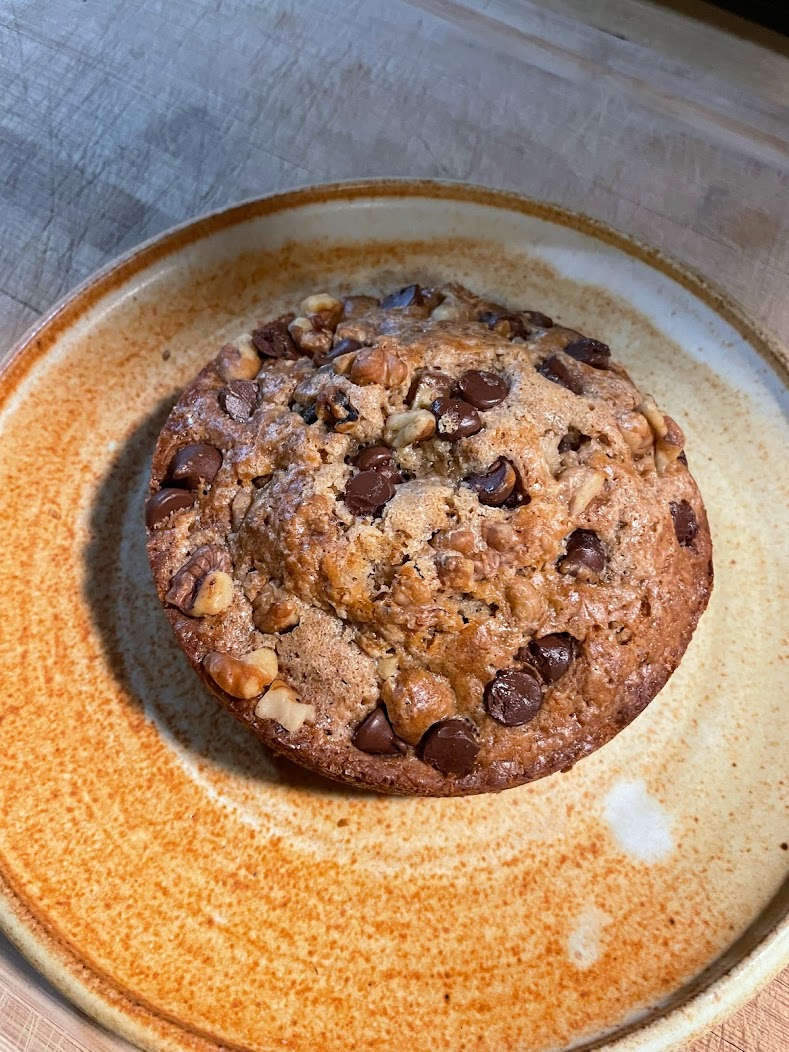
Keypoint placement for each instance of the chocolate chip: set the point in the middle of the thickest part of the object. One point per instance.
(682, 458)
(514, 697)
(345, 346)
(274, 341)
(195, 465)
(456, 419)
(482, 389)
(572, 441)
(515, 323)
(372, 457)
(558, 372)
(590, 352)
(379, 458)
(238, 399)
(308, 413)
(164, 503)
(451, 746)
(551, 655)
(685, 525)
(367, 492)
(495, 485)
(585, 554)
(375, 735)
(542, 321)
(410, 296)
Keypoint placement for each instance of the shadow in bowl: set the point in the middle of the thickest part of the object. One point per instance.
(148, 665)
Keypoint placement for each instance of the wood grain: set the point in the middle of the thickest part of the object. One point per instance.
(118, 120)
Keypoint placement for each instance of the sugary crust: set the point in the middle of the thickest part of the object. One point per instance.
(437, 581)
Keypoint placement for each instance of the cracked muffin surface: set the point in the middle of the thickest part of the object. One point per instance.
(427, 544)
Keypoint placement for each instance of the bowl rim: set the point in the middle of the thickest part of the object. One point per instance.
(60, 963)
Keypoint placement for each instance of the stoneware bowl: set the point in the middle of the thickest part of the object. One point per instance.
(191, 892)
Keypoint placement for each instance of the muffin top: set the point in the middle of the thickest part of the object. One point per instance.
(428, 544)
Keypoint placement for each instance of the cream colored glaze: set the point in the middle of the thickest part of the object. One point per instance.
(216, 895)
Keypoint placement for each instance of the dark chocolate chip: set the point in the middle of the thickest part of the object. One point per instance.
(572, 441)
(585, 554)
(308, 413)
(274, 341)
(542, 321)
(514, 697)
(367, 492)
(195, 465)
(375, 735)
(482, 389)
(238, 399)
(551, 655)
(373, 457)
(451, 746)
(558, 372)
(685, 525)
(495, 485)
(590, 352)
(682, 458)
(456, 419)
(515, 323)
(378, 458)
(345, 346)
(410, 296)
(163, 503)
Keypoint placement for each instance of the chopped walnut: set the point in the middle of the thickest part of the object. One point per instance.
(579, 486)
(406, 429)
(185, 585)
(455, 571)
(374, 365)
(526, 603)
(498, 535)
(669, 446)
(409, 589)
(238, 361)
(308, 338)
(242, 677)
(486, 563)
(274, 611)
(415, 700)
(280, 703)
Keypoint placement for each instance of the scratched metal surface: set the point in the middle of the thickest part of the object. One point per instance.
(119, 120)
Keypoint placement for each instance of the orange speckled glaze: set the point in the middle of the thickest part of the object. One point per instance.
(192, 892)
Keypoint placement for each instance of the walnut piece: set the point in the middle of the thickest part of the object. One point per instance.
(525, 601)
(274, 611)
(455, 571)
(238, 361)
(415, 700)
(579, 487)
(242, 677)
(498, 535)
(186, 584)
(280, 703)
(213, 595)
(323, 310)
(308, 338)
(669, 446)
(374, 365)
(636, 432)
(406, 429)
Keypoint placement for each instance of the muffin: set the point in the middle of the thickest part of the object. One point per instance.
(428, 545)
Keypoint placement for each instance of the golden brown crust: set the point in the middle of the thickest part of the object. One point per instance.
(419, 603)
